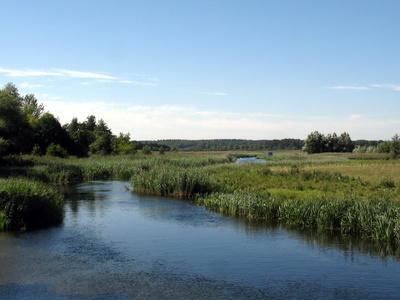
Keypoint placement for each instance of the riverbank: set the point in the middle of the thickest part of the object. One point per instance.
(341, 192)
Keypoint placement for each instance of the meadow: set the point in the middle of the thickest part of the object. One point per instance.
(348, 193)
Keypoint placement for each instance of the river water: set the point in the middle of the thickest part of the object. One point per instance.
(115, 244)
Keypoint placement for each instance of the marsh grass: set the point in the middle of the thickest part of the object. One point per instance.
(173, 182)
(27, 204)
(377, 219)
(327, 191)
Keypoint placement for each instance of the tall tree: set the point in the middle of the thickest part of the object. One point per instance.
(14, 130)
(315, 143)
(395, 146)
(102, 139)
(48, 130)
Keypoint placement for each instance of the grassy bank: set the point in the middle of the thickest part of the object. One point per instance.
(27, 204)
(348, 193)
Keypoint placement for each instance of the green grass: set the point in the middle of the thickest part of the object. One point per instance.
(173, 181)
(27, 204)
(377, 219)
(340, 192)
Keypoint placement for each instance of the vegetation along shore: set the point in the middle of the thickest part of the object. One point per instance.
(334, 183)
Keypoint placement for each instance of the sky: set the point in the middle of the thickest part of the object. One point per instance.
(220, 69)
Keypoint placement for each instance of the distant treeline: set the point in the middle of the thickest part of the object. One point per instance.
(232, 144)
(239, 144)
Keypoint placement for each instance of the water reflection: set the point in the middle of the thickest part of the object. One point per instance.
(175, 211)
(250, 160)
(115, 244)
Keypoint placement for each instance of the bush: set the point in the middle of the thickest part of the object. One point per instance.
(56, 150)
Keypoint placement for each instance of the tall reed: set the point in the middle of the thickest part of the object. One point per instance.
(172, 182)
(377, 219)
(26, 204)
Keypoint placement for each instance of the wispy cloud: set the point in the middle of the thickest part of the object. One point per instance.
(348, 87)
(30, 86)
(394, 87)
(355, 117)
(215, 94)
(139, 83)
(143, 79)
(56, 72)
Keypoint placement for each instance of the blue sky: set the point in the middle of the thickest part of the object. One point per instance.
(210, 69)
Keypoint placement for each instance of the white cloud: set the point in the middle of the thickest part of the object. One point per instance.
(30, 86)
(144, 80)
(215, 94)
(79, 74)
(389, 86)
(348, 88)
(28, 73)
(138, 82)
(355, 117)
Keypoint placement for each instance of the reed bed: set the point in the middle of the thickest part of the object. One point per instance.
(173, 182)
(377, 219)
(114, 167)
(27, 204)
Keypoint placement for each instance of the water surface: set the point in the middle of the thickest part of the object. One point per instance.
(115, 244)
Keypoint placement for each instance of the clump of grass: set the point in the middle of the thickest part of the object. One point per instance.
(387, 182)
(26, 204)
(172, 182)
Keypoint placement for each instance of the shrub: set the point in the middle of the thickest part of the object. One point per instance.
(56, 150)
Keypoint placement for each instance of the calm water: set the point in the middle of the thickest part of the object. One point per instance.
(249, 160)
(115, 244)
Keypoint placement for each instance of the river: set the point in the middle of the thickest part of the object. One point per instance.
(116, 244)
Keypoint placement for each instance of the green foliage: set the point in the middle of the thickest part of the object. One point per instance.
(102, 139)
(123, 145)
(48, 131)
(56, 150)
(384, 147)
(14, 129)
(173, 182)
(36, 150)
(233, 144)
(319, 143)
(395, 146)
(146, 150)
(25, 204)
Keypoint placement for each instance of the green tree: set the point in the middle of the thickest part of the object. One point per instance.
(56, 150)
(15, 133)
(161, 150)
(102, 139)
(395, 146)
(146, 150)
(31, 107)
(315, 143)
(384, 147)
(81, 137)
(345, 144)
(123, 144)
(48, 130)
